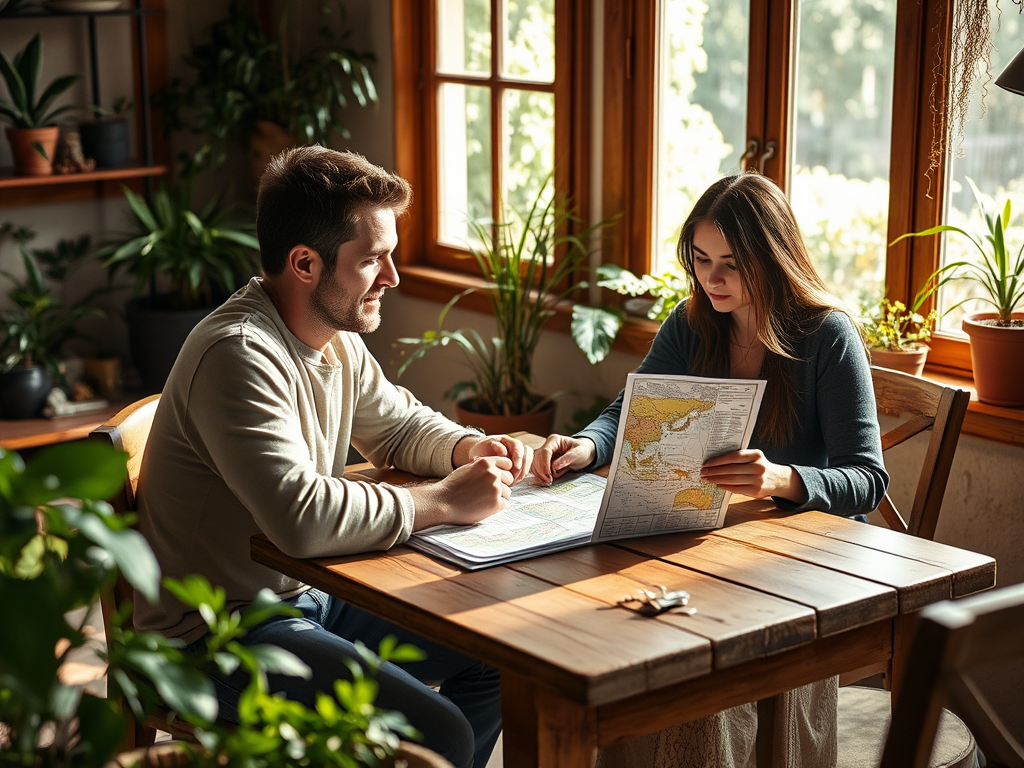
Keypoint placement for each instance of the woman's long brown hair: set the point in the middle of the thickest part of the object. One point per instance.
(788, 298)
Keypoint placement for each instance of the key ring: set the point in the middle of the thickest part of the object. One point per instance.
(654, 603)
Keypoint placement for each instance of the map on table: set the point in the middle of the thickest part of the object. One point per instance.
(670, 425)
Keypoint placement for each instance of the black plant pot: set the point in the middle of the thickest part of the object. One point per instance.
(23, 392)
(155, 336)
(106, 141)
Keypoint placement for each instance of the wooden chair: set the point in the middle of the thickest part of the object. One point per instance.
(928, 406)
(128, 431)
(953, 638)
(924, 406)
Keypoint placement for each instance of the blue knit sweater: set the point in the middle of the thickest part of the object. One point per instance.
(836, 448)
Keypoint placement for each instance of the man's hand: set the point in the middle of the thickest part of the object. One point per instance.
(471, 493)
(474, 447)
(559, 454)
(750, 473)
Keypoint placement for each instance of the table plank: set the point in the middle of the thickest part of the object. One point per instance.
(742, 624)
(758, 679)
(516, 622)
(972, 572)
(840, 601)
(917, 584)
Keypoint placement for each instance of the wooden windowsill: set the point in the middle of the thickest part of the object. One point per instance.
(993, 422)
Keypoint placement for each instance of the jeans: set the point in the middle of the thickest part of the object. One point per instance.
(461, 722)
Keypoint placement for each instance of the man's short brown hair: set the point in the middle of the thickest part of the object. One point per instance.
(312, 196)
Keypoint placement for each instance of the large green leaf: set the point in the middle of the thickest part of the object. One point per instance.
(85, 470)
(185, 690)
(130, 551)
(594, 329)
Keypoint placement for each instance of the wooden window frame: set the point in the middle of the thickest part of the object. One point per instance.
(916, 194)
(431, 269)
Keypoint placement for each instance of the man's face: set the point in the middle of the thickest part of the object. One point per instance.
(349, 299)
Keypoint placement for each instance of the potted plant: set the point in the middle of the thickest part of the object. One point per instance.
(528, 267)
(997, 338)
(200, 256)
(33, 134)
(60, 548)
(266, 91)
(34, 331)
(897, 335)
(105, 139)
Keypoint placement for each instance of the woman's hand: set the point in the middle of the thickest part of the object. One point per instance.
(559, 454)
(750, 473)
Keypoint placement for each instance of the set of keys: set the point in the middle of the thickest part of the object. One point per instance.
(655, 603)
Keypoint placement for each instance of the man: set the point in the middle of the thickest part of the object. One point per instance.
(252, 434)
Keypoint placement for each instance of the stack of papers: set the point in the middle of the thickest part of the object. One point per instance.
(536, 520)
(669, 426)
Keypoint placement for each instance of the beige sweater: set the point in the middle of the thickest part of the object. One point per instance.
(251, 436)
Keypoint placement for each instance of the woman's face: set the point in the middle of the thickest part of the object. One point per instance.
(715, 269)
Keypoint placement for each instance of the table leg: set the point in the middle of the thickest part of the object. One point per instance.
(903, 628)
(543, 730)
(765, 746)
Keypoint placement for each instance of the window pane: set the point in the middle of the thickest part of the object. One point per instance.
(529, 50)
(842, 127)
(993, 159)
(701, 109)
(529, 131)
(464, 36)
(464, 159)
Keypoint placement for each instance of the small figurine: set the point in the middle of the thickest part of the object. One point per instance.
(70, 158)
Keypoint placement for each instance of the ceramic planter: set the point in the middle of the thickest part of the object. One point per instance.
(23, 392)
(911, 361)
(540, 423)
(997, 355)
(29, 161)
(156, 335)
(106, 141)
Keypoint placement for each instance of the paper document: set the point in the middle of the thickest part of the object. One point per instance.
(536, 520)
(668, 427)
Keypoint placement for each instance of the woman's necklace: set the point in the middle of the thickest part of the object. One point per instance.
(742, 352)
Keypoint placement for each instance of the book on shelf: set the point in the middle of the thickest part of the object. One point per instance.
(669, 426)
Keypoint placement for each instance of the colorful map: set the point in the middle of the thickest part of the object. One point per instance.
(669, 426)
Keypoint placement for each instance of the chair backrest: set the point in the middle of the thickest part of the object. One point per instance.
(953, 638)
(926, 405)
(128, 431)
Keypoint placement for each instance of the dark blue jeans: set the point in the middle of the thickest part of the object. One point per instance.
(461, 722)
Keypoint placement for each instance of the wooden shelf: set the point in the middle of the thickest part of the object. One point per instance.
(9, 180)
(63, 188)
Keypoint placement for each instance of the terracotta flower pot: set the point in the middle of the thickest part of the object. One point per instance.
(912, 361)
(997, 354)
(28, 160)
(539, 423)
(266, 140)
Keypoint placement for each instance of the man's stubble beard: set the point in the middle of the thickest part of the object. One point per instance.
(341, 318)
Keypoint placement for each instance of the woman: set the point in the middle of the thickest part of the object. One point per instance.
(758, 309)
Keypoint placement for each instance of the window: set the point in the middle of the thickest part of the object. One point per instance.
(492, 112)
(834, 101)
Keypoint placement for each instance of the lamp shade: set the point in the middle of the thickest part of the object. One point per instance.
(1012, 78)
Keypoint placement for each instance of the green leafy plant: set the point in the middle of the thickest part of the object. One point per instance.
(21, 75)
(203, 254)
(36, 329)
(60, 548)
(892, 326)
(524, 281)
(595, 328)
(243, 75)
(999, 274)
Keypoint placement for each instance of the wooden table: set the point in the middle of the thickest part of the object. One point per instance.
(19, 434)
(782, 600)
